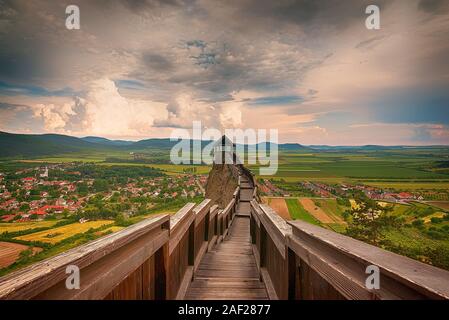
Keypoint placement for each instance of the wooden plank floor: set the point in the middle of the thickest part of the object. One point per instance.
(246, 194)
(229, 271)
(243, 208)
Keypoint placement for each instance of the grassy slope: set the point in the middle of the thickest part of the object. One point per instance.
(23, 145)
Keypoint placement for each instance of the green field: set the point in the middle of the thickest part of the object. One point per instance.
(400, 209)
(297, 212)
(406, 169)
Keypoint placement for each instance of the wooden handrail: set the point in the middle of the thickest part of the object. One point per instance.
(212, 232)
(201, 231)
(202, 210)
(341, 261)
(179, 260)
(236, 192)
(180, 223)
(277, 228)
(269, 233)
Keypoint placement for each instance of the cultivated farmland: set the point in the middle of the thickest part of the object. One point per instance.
(10, 252)
(332, 209)
(23, 226)
(316, 211)
(440, 204)
(279, 205)
(58, 234)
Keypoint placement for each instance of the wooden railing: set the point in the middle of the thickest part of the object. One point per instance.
(268, 234)
(298, 260)
(153, 259)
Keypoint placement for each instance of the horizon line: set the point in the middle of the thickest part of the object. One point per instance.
(279, 143)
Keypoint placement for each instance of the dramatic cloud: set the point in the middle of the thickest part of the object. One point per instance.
(183, 110)
(310, 68)
(105, 110)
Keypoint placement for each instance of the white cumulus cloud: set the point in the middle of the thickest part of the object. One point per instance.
(104, 111)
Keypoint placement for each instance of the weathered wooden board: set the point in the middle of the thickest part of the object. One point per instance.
(342, 262)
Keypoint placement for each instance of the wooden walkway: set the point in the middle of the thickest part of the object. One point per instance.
(229, 271)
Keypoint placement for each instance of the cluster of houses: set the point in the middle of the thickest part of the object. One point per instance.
(171, 187)
(38, 206)
(380, 194)
(324, 190)
(267, 187)
(320, 189)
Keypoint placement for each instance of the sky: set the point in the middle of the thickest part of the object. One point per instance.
(310, 68)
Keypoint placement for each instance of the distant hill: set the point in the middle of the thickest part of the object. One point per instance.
(32, 145)
(107, 142)
(29, 145)
(164, 143)
(284, 147)
(293, 147)
(354, 148)
(375, 147)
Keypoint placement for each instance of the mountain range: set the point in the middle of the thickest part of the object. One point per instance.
(32, 145)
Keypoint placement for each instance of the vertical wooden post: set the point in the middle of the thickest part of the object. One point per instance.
(251, 229)
(206, 227)
(216, 224)
(191, 246)
(263, 246)
(292, 274)
(160, 273)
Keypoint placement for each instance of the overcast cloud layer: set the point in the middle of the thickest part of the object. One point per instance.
(139, 68)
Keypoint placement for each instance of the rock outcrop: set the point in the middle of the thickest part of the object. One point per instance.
(222, 181)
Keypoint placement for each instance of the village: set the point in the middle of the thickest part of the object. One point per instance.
(346, 190)
(44, 192)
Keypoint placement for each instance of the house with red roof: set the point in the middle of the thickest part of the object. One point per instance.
(8, 217)
(404, 195)
(42, 211)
